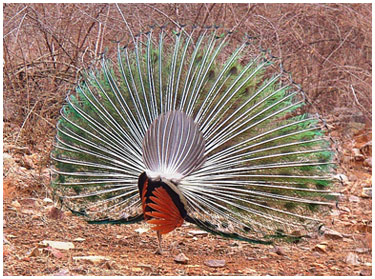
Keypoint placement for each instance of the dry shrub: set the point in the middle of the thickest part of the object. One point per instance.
(327, 48)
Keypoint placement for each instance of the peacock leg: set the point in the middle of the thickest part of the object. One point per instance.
(159, 251)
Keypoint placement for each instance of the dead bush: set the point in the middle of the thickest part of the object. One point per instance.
(326, 47)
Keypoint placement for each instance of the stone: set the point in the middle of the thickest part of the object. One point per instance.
(215, 263)
(11, 236)
(181, 258)
(331, 234)
(352, 259)
(365, 272)
(354, 199)
(142, 230)
(28, 162)
(7, 156)
(198, 233)
(366, 149)
(47, 200)
(55, 213)
(296, 233)
(366, 192)
(358, 155)
(362, 250)
(54, 252)
(278, 250)
(35, 252)
(79, 239)
(343, 178)
(62, 272)
(320, 248)
(91, 259)
(368, 162)
(57, 244)
(15, 204)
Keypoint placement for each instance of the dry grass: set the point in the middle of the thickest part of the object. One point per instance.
(327, 48)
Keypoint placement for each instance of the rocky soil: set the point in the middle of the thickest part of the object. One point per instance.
(41, 239)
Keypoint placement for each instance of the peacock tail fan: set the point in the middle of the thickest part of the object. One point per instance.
(268, 165)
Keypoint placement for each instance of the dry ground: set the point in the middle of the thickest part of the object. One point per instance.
(129, 249)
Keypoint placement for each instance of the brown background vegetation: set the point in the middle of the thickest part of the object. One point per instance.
(326, 47)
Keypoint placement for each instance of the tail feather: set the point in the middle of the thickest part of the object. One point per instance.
(173, 147)
(231, 132)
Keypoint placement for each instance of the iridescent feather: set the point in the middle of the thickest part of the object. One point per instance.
(229, 133)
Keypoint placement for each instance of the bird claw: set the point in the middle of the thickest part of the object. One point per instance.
(159, 251)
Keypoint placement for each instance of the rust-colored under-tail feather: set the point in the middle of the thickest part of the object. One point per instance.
(166, 215)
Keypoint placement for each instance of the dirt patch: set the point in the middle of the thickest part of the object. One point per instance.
(30, 218)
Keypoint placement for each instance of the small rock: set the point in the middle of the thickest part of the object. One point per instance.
(7, 156)
(198, 233)
(54, 252)
(320, 248)
(354, 199)
(35, 252)
(366, 192)
(234, 244)
(365, 272)
(36, 216)
(366, 149)
(335, 212)
(5, 240)
(352, 259)
(55, 213)
(146, 267)
(342, 177)
(29, 202)
(345, 209)
(47, 200)
(62, 272)
(357, 155)
(142, 230)
(273, 254)
(68, 213)
(331, 234)
(110, 265)
(57, 244)
(15, 204)
(362, 250)
(368, 162)
(29, 212)
(316, 254)
(79, 239)
(215, 263)
(181, 258)
(91, 259)
(28, 161)
(296, 233)
(11, 236)
(250, 271)
(278, 250)
(7, 250)
(19, 149)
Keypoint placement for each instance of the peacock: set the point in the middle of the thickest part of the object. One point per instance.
(176, 131)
